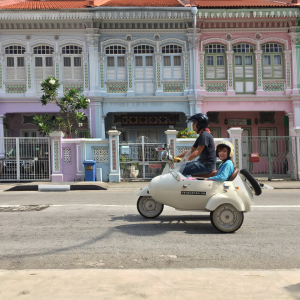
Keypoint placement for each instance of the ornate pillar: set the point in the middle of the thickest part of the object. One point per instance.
(288, 83)
(58, 71)
(201, 72)
(291, 120)
(56, 156)
(293, 37)
(93, 44)
(99, 121)
(102, 71)
(171, 140)
(186, 63)
(2, 148)
(2, 87)
(235, 134)
(158, 69)
(230, 89)
(296, 110)
(114, 160)
(295, 132)
(86, 85)
(130, 77)
(30, 84)
(259, 85)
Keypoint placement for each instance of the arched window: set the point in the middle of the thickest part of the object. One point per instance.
(272, 60)
(116, 69)
(15, 63)
(172, 62)
(244, 68)
(215, 61)
(43, 60)
(144, 69)
(72, 63)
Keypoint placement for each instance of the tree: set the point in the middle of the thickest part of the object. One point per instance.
(71, 105)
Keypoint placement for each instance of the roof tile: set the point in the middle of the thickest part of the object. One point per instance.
(238, 3)
(146, 3)
(47, 5)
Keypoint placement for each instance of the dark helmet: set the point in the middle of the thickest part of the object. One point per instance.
(202, 120)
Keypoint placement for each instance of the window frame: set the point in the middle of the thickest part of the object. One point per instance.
(43, 56)
(15, 57)
(215, 55)
(115, 49)
(72, 57)
(275, 144)
(172, 55)
(272, 65)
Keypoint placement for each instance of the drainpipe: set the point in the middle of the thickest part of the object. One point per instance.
(194, 12)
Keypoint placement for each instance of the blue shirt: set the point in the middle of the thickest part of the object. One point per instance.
(224, 171)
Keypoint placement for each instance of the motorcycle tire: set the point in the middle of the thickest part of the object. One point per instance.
(251, 180)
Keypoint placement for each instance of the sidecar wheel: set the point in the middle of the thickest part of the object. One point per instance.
(226, 218)
(148, 207)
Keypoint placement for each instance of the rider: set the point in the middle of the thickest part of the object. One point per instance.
(204, 147)
(225, 152)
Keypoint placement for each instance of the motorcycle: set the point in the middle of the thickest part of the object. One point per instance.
(225, 201)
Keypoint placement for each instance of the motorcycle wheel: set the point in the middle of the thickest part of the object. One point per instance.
(251, 182)
(148, 207)
(226, 218)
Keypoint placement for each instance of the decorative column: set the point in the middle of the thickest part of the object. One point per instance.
(85, 56)
(130, 83)
(288, 84)
(293, 37)
(2, 87)
(114, 160)
(259, 85)
(2, 148)
(102, 71)
(296, 133)
(291, 120)
(158, 64)
(201, 72)
(230, 89)
(56, 156)
(58, 72)
(93, 43)
(30, 86)
(171, 140)
(186, 63)
(235, 135)
(100, 121)
(296, 106)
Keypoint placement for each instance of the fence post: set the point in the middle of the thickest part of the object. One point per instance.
(296, 133)
(235, 135)
(171, 140)
(2, 140)
(56, 156)
(114, 160)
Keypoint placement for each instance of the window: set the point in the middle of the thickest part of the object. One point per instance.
(215, 132)
(244, 68)
(263, 134)
(172, 62)
(43, 62)
(215, 61)
(144, 69)
(72, 63)
(272, 60)
(116, 69)
(15, 63)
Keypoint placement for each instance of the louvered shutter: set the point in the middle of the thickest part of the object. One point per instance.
(210, 72)
(21, 74)
(67, 73)
(278, 71)
(220, 72)
(111, 74)
(49, 71)
(149, 73)
(149, 88)
(238, 72)
(239, 87)
(10, 73)
(121, 73)
(39, 74)
(249, 87)
(139, 87)
(177, 73)
(249, 72)
(167, 72)
(139, 73)
(78, 73)
(267, 71)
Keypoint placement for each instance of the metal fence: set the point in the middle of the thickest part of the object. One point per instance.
(140, 159)
(277, 156)
(24, 159)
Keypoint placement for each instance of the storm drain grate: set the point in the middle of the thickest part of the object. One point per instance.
(22, 208)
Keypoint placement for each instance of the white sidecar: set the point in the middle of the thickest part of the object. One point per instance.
(226, 201)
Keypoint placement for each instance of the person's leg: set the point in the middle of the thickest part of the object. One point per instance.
(193, 168)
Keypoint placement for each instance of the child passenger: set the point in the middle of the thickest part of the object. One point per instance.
(225, 152)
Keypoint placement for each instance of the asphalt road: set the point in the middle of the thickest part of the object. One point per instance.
(102, 229)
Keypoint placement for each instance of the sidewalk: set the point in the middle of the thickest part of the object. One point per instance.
(150, 284)
(89, 185)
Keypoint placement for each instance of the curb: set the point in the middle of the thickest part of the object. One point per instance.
(53, 188)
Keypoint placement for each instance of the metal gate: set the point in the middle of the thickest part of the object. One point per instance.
(277, 156)
(140, 159)
(24, 159)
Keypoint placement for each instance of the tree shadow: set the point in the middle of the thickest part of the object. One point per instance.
(294, 290)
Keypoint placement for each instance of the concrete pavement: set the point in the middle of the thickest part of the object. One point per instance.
(162, 284)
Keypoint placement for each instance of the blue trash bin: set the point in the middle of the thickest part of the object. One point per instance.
(89, 170)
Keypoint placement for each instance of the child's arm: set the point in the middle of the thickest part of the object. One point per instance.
(223, 173)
